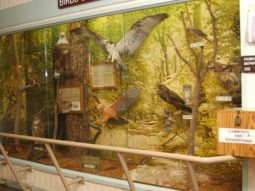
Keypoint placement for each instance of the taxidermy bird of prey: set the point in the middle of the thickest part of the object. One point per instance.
(38, 128)
(61, 54)
(131, 41)
(172, 98)
(123, 102)
(33, 76)
(168, 120)
(36, 78)
(197, 33)
(229, 75)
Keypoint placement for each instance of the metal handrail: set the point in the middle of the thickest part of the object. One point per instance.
(173, 156)
(119, 151)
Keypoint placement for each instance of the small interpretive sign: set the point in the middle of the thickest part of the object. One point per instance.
(69, 3)
(234, 135)
(248, 63)
(224, 98)
(90, 162)
(103, 76)
(187, 117)
(197, 44)
(236, 139)
(70, 99)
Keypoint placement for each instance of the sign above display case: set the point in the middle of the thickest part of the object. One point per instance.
(69, 3)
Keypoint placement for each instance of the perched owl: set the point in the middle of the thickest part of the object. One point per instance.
(38, 128)
(168, 120)
(35, 77)
(187, 94)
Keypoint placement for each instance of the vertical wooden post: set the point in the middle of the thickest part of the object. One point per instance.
(55, 162)
(126, 171)
(12, 169)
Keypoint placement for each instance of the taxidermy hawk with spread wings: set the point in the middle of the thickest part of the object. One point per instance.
(122, 103)
(172, 98)
(131, 41)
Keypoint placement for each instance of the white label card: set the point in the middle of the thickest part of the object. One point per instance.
(224, 98)
(187, 117)
(197, 44)
(232, 135)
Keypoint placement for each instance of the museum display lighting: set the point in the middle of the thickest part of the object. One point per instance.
(56, 16)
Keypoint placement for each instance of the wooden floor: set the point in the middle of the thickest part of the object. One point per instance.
(4, 188)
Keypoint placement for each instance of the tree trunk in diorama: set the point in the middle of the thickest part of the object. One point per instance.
(199, 71)
(18, 91)
(77, 125)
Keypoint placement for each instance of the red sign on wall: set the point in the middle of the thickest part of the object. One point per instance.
(69, 3)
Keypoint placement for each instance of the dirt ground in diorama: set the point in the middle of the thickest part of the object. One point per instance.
(166, 173)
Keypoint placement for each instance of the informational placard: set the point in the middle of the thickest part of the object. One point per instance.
(90, 162)
(70, 99)
(234, 135)
(248, 63)
(236, 132)
(103, 76)
(69, 3)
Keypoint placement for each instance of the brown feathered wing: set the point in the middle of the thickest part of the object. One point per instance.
(136, 35)
(124, 101)
(172, 98)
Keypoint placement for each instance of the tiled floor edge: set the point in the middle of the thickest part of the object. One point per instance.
(88, 177)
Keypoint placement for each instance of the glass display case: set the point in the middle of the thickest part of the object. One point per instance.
(149, 79)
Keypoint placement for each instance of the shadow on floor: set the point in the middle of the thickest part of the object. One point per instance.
(5, 188)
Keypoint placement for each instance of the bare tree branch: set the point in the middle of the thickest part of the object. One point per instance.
(189, 17)
(180, 55)
(204, 72)
(214, 31)
(200, 62)
(187, 38)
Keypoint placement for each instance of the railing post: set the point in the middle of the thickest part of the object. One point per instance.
(193, 176)
(12, 169)
(55, 162)
(126, 171)
(172, 156)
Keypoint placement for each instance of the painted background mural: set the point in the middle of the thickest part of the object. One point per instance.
(151, 79)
